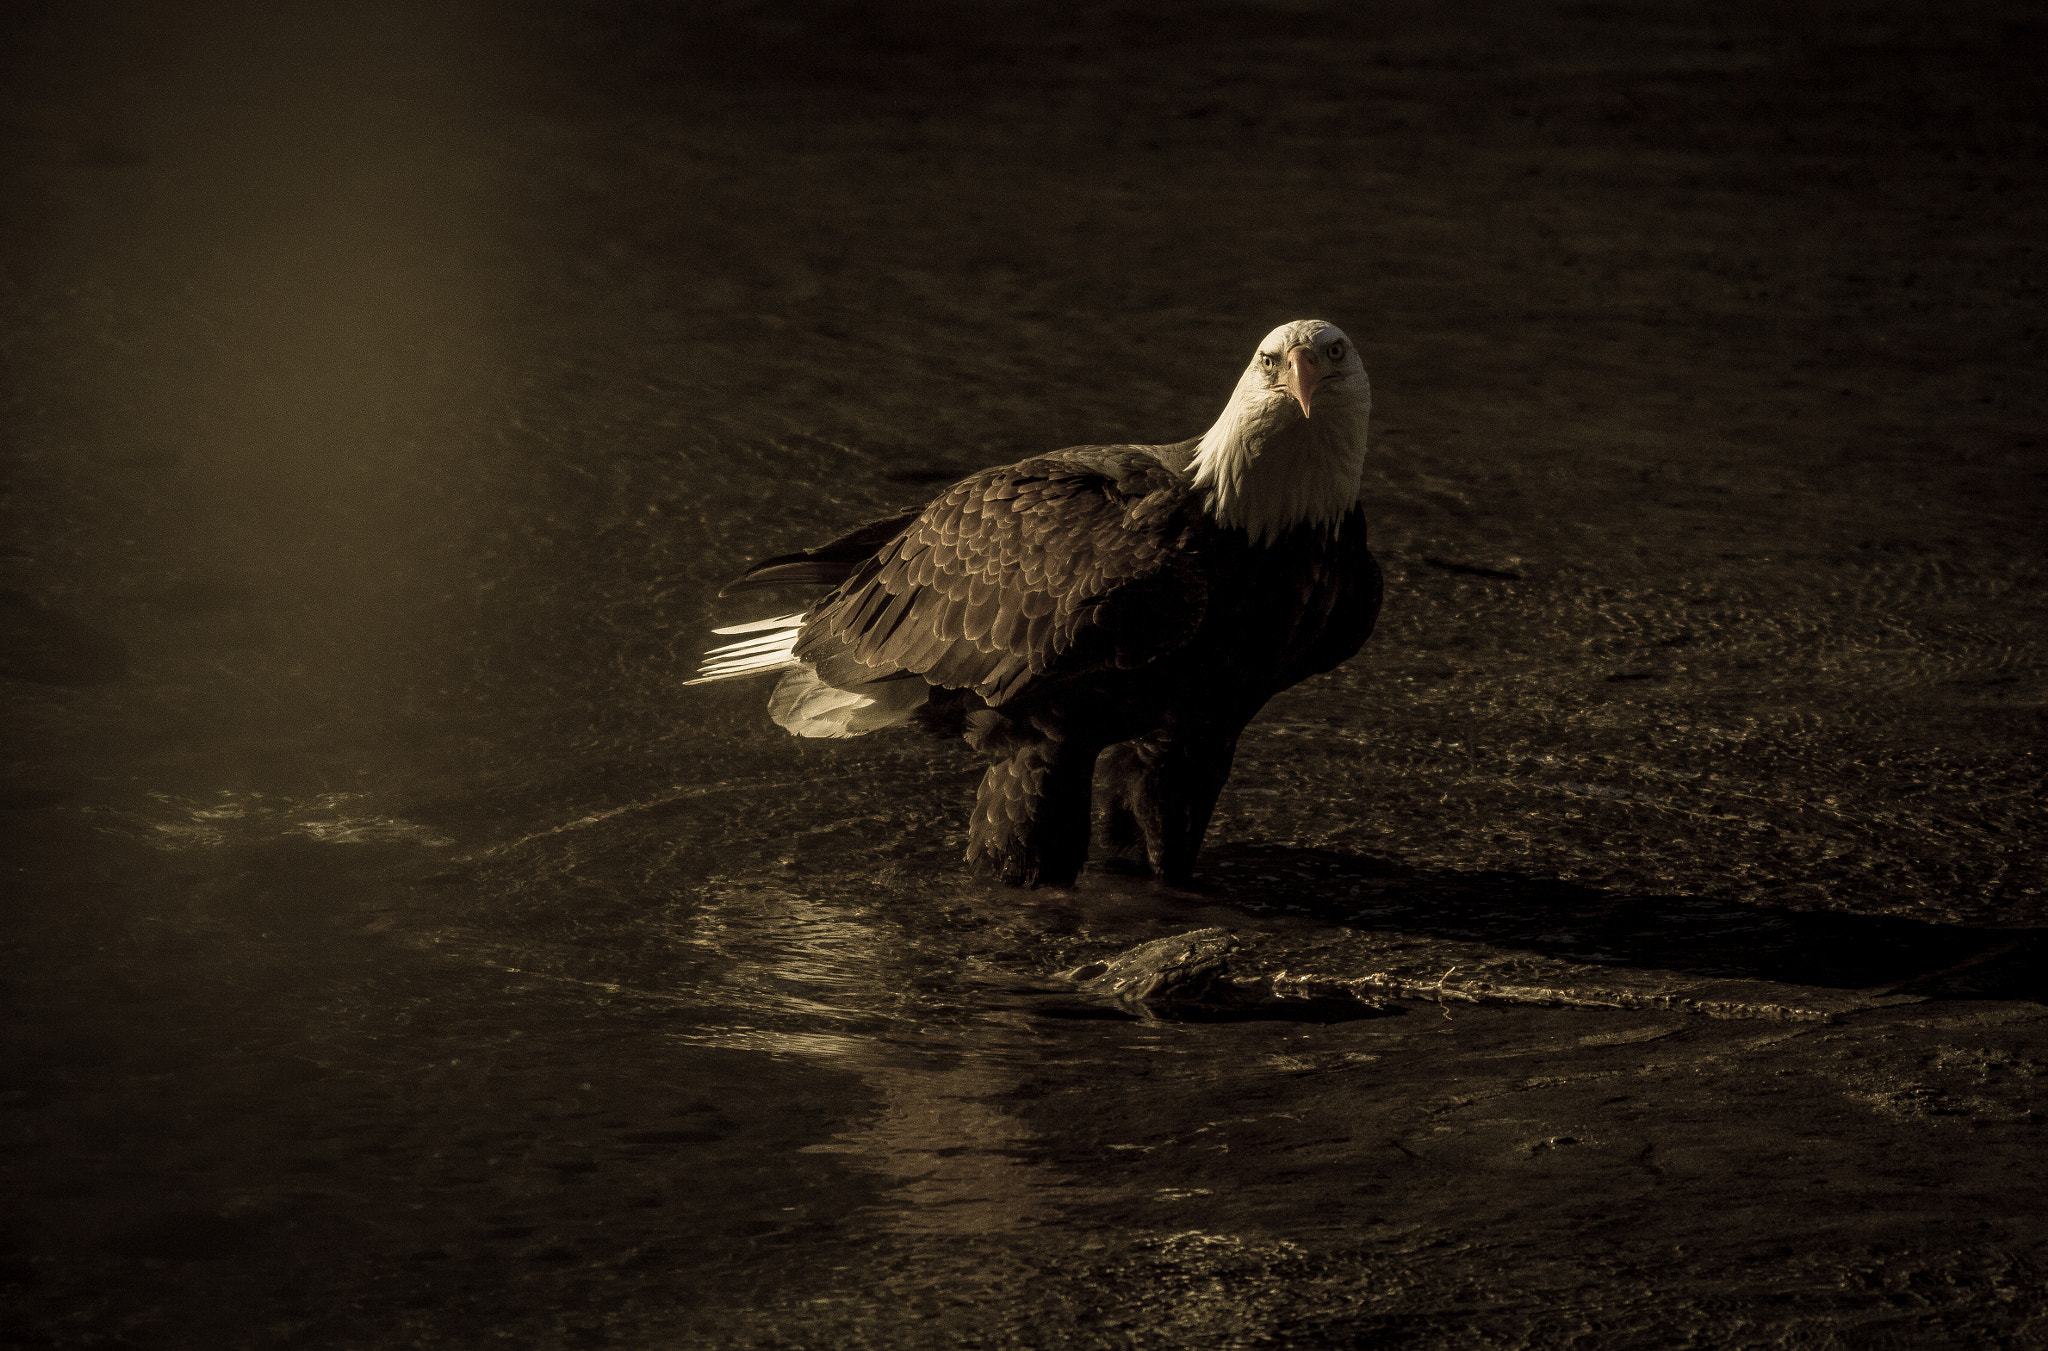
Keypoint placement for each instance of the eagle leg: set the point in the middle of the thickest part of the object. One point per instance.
(1030, 824)
(1121, 838)
(1160, 791)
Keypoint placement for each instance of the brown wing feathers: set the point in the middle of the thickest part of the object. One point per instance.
(997, 580)
(829, 564)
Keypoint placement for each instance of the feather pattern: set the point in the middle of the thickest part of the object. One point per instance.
(1003, 577)
(772, 651)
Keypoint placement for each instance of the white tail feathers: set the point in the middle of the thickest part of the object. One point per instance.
(751, 656)
(803, 703)
(807, 706)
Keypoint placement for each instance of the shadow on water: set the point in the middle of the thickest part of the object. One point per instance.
(1698, 936)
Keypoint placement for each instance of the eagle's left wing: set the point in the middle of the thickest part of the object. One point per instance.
(1061, 565)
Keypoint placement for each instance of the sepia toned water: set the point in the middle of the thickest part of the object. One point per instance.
(400, 955)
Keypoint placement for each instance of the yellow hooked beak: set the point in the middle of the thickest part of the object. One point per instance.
(1301, 378)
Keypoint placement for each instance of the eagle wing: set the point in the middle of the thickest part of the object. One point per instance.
(1058, 566)
(828, 563)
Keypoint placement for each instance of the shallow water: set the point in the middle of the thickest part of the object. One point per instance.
(403, 957)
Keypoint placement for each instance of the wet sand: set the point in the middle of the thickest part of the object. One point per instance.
(400, 956)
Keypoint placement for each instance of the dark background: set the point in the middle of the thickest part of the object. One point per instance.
(399, 956)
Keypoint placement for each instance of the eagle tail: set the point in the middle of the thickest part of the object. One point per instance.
(806, 706)
(772, 650)
(803, 702)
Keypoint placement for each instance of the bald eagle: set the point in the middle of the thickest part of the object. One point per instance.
(1101, 612)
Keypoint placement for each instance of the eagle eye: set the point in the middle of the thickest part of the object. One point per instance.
(1267, 359)
(1336, 351)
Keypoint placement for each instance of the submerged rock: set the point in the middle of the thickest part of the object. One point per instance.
(1196, 969)
(1184, 968)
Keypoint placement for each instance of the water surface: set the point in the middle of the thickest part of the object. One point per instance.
(402, 956)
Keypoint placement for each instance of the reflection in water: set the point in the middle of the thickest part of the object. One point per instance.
(960, 1165)
(956, 1163)
(809, 976)
(788, 956)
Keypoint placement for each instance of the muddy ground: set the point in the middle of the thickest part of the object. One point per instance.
(399, 956)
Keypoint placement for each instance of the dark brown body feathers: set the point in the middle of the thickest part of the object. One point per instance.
(1076, 603)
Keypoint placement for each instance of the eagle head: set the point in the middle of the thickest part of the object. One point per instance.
(1289, 447)
(1300, 359)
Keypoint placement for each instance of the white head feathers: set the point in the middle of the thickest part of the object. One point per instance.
(1290, 446)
